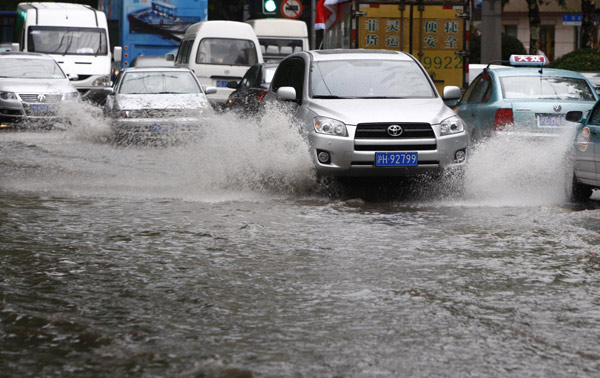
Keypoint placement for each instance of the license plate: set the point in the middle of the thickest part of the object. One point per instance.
(222, 83)
(159, 129)
(396, 159)
(550, 120)
(41, 109)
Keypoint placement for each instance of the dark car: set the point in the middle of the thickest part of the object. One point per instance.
(250, 90)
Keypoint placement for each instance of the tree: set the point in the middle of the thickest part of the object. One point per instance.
(533, 11)
(588, 31)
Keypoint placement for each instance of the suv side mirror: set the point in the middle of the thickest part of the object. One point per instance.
(452, 95)
(170, 57)
(286, 93)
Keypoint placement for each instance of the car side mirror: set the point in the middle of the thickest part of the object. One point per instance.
(286, 94)
(170, 57)
(232, 85)
(73, 76)
(108, 90)
(451, 95)
(574, 116)
(210, 90)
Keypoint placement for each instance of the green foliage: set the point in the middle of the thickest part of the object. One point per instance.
(579, 60)
(510, 46)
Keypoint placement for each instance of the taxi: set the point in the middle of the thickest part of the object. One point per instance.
(586, 167)
(525, 98)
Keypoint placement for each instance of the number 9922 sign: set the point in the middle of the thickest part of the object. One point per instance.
(442, 62)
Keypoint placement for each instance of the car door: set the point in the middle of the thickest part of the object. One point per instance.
(587, 151)
(473, 105)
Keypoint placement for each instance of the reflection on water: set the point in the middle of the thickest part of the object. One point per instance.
(220, 257)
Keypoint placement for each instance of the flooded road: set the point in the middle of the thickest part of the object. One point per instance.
(223, 258)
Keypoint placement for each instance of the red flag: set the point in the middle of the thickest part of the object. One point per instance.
(327, 13)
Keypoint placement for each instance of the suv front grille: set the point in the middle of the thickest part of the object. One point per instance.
(379, 130)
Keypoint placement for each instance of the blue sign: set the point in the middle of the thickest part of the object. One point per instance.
(574, 19)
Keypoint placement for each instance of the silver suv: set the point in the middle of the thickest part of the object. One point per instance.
(370, 113)
(32, 87)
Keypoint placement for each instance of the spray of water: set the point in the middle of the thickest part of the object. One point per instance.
(227, 157)
(511, 169)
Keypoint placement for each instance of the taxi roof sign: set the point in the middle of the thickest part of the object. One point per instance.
(528, 60)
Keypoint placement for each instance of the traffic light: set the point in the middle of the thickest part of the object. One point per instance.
(269, 7)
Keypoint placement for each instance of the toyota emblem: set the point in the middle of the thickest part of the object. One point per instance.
(557, 108)
(395, 130)
(41, 98)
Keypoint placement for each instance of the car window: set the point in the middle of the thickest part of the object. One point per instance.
(355, 78)
(595, 116)
(157, 82)
(22, 67)
(290, 74)
(241, 52)
(481, 90)
(546, 87)
(183, 54)
(250, 77)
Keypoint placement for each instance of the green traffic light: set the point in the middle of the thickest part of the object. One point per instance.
(270, 6)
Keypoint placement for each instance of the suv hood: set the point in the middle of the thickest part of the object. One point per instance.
(355, 111)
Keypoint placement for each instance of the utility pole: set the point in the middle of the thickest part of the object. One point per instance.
(491, 30)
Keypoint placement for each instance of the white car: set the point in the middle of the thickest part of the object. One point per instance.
(370, 113)
(32, 88)
(155, 102)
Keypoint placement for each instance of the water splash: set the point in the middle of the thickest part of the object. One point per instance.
(512, 169)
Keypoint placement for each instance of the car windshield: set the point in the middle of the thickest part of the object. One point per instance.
(30, 68)
(157, 82)
(236, 52)
(67, 40)
(546, 87)
(369, 79)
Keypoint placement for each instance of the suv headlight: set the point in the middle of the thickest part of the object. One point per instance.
(324, 125)
(8, 96)
(452, 125)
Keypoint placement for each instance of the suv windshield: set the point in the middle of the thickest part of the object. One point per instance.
(235, 52)
(157, 82)
(546, 87)
(369, 79)
(67, 40)
(30, 68)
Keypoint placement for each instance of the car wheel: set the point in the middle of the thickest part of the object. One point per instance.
(580, 192)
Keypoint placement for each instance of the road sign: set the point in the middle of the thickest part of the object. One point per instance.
(291, 8)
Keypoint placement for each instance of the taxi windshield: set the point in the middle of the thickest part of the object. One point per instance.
(369, 79)
(546, 87)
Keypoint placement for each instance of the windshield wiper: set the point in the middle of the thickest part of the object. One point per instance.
(328, 96)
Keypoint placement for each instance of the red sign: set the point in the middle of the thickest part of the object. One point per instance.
(291, 8)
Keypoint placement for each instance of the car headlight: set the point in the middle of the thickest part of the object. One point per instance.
(8, 96)
(452, 125)
(71, 96)
(132, 114)
(102, 81)
(324, 125)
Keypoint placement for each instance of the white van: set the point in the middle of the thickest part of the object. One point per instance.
(219, 52)
(75, 35)
(280, 37)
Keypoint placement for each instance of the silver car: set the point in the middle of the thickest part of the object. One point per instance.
(32, 88)
(155, 102)
(370, 113)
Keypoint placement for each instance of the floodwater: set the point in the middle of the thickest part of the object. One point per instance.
(222, 257)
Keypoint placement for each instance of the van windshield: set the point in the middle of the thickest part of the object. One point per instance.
(235, 52)
(354, 78)
(67, 40)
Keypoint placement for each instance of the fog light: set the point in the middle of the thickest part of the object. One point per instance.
(323, 157)
(460, 156)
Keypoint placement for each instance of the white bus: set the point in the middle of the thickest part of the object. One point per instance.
(279, 37)
(75, 35)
